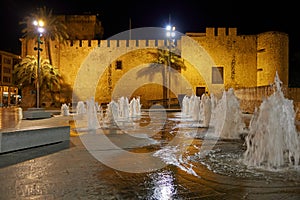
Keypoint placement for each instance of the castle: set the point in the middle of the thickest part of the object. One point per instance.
(216, 59)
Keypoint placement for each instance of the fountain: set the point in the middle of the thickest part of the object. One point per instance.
(185, 106)
(227, 118)
(92, 118)
(80, 108)
(64, 110)
(112, 112)
(135, 107)
(205, 109)
(122, 112)
(273, 141)
(197, 109)
(123, 108)
(87, 117)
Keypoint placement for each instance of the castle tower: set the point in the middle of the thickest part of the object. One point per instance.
(272, 56)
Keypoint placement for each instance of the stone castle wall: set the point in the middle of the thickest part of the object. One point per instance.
(241, 56)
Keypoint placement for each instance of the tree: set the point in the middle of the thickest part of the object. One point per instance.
(55, 29)
(173, 60)
(25, 74)
(163, 57)
(176, 62)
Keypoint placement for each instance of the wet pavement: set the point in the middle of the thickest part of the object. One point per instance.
(71, 171)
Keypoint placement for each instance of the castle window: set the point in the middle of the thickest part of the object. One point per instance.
(217, 75)
(119, 65)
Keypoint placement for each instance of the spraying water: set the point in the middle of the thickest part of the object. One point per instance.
(92, 118)
(205, 108)
(64, 110)
(227, 117)
(80, 108)
(273, 141)
(197, 109)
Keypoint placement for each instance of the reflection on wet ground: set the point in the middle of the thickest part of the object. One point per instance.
(73, 173)
(8, 117)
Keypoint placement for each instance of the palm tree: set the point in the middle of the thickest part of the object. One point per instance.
(25, 71)
(173, 60)
(55, 29)
(176, 62)
(50, 81)
(25, 74)
(164, 56)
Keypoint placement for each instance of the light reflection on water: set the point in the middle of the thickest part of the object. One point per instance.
(163, 186)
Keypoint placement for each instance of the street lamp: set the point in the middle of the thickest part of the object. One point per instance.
(170, 36)
(40, 29)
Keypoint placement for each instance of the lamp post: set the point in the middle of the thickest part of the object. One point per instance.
(170, 36)
(40, 29)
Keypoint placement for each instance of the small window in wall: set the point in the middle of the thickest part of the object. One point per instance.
(217, 75)
(119, 64)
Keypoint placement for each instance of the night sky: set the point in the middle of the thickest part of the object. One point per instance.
(249, 17)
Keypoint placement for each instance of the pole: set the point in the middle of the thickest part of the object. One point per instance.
(169, 76)
(38, 74)
(39, 24)
(169, 68)
(129, 28)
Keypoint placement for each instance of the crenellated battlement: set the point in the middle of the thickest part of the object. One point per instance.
(120, 43)
(215, 32)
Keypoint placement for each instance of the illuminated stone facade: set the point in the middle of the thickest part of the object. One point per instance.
(243, 60)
